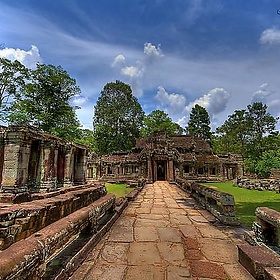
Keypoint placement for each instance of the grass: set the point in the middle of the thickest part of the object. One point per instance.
(246, 201)
(119, 190)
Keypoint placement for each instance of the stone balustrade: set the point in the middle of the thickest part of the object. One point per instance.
(220, 204)
(267, 226)
(18, 221)
(26, 259)
(259, 185)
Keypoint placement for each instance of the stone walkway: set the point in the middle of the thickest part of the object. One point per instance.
(164, 234)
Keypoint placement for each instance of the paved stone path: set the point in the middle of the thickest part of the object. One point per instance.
(164, 234)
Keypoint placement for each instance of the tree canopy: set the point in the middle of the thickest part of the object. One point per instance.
(40, 98)
(117, 119)
(12, 77)
(158, 120)
(199, 123)
(251, 133)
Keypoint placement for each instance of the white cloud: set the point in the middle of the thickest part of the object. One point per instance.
(174, 102)
(152, 52)
(28, 58)
(215, 101)
(261, 94)
(119, 60)
(134, 74)
(270, 36)
(79, 100)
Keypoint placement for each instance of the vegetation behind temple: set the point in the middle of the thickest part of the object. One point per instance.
(42, 98)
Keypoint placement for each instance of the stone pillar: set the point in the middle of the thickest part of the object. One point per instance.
(69, 167)
(15, 163)
(170, 169)
(80, 167)
(48, 166)
(150, 169)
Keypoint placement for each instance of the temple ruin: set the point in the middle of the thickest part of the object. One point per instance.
(164, 157)
(36, 161)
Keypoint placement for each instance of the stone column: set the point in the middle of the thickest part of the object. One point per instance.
(48, 166)
(80, 167)
(15, 163)
(150, 170)
(170, 170)
(69, 166)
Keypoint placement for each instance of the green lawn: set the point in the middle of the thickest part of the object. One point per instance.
(119, 190)
(246, 201)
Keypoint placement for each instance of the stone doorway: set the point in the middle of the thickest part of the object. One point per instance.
(161, 171)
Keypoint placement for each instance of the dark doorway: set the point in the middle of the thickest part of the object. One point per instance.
(161, 171)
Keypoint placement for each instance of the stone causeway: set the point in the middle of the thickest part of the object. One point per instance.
(165, 234)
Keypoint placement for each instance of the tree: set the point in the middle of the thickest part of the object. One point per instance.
(44, 102)
(269, 160)
(117, 120)
(199, 123)
(233, 134)
(250, 132)
(158, 120)
(12, 77)
(86, 138)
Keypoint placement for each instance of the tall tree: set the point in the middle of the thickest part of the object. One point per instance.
(199, 123)
(44, 102)
(12, 77)
(117, 120)
(158, 120)
(233, 134)
(250, 132)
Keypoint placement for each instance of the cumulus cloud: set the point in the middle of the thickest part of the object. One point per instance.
(119, 60)
(79, 100)
(152, 52)
(174, 102)
(269, 97)
(134, 74)
(28, 58)
(261, 94)
(270, 36)
(215, 101)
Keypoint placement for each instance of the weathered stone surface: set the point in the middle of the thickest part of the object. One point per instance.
(106, 272)
(115, 252)
(121, 234)
(173, 253)
(143, 253)
(256, 258)
(142, 272)
(178, 273)
(168, 234)
(146, 234)
(208, 270)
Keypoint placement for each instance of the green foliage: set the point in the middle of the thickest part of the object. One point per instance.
(246, 201)
(117, 120)
(44, 102)
(159, 121)
(86, 138)
(250, 133)
(199, 123)
(269, 160)
(12, 77)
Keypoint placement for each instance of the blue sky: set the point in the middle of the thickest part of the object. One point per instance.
(222, 55)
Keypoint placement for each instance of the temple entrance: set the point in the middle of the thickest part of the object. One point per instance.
(161, 170)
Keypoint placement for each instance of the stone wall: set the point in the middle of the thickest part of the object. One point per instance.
(259, 185)
(220, 204)
(33, 161)
(34, 232)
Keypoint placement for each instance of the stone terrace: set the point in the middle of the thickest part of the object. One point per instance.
(165, 234)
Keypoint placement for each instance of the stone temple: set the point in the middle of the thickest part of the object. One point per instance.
(164, 157)
(36, 161)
